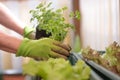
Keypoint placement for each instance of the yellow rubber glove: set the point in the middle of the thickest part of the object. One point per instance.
(43, 49)
(29, 32)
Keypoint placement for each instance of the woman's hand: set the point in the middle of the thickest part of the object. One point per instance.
(43, 48)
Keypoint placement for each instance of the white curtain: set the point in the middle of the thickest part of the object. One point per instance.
(100, 23)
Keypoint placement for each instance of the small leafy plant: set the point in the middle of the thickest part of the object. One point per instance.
(52, 21)
(57, 69)
(109, 60)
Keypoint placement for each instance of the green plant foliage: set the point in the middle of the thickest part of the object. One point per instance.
(52, 20)
(110, 59)
(57, 69)
(76, 46)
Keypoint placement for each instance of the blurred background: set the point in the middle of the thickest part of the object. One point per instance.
(98, 27)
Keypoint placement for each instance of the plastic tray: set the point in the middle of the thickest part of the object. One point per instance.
(103, 72)
(74, 57)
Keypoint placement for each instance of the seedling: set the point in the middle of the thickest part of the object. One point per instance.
(52, 21)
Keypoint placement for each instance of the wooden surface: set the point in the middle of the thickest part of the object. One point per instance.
(13, 77)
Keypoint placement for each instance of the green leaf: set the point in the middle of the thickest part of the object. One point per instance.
(59, 69)
(51, 20)
(77, 45)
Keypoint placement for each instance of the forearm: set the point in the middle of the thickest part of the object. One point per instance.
(9, 21)
(9, 43)
(7, 49)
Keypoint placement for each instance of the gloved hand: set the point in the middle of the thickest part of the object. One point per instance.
(43, 48)
(29, 32)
